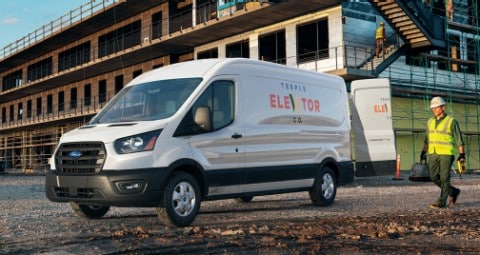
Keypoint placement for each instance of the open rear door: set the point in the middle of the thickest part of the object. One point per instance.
(373, 135)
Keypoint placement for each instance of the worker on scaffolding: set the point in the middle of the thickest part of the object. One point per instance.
(380, 39)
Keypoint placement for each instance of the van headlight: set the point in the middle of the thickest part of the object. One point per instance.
(137, 143)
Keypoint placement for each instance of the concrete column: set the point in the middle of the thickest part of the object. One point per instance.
(194, 13)
(291, 44)
(146, 28)
(335, 35)
(253, 45)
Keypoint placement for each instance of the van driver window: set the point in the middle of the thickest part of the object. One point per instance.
(219, 99)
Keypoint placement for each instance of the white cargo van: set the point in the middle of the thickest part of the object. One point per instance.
(205, 130)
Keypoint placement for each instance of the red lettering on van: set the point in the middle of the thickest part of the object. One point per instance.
(379, 108)
(273, 102)
(285, 102)
(311, 105)
(280, 102)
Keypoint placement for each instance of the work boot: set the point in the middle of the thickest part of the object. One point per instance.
(437, 205)
(454, 196)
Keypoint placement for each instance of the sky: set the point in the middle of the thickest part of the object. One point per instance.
(18, 18)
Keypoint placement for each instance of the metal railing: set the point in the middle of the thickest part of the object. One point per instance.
(176, 22)
(81, 108)
(206, 12)
(340, 57)
(83, 12)
(326, 60)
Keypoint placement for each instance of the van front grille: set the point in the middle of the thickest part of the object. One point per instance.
(80, 158)
(74, 192)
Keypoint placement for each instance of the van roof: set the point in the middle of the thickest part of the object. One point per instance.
(202, 67)
(196, 68)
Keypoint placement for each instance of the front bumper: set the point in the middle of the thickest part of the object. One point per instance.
(109, 188)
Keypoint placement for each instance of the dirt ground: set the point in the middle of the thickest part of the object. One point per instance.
(368, 217)
(449, 232)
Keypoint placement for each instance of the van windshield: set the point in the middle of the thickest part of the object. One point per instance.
(148, 101)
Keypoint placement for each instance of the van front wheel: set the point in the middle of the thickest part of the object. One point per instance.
(324, 188)
(181, 201)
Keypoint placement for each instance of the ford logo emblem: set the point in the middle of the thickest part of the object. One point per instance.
(75, 154)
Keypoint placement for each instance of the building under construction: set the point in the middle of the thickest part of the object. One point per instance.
(58, 76)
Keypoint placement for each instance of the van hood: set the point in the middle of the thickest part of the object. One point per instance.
(108, 133)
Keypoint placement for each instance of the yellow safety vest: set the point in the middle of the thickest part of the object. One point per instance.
(379, 33)
(440, 139)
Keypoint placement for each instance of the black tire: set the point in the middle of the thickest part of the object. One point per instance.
(244, 199)
(324, 188)
(89, 211)
(181, 201)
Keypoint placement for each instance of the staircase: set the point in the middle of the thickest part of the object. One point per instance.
(415, 26)
(390, 54)
(413, 22)
(375, 62)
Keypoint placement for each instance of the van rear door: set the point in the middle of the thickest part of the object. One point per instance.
(373, 135)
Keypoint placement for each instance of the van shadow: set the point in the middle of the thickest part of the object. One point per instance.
(273, 205)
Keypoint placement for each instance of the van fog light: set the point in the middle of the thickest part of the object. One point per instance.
(130, 186)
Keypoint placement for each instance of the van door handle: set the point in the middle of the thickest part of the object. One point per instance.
(236, 136)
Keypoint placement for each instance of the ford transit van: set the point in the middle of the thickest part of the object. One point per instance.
(206, 130)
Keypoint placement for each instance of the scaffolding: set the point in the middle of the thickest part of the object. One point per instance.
(451, 72)
(418, 74)
(28, 151)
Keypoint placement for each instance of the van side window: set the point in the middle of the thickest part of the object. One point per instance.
(218, 99)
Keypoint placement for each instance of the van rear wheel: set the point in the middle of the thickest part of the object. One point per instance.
(89, 211)
(181, 201)
(324, 188)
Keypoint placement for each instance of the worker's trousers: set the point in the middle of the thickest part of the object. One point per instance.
(439, 167)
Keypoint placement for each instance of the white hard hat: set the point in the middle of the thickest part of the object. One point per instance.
(436, 102)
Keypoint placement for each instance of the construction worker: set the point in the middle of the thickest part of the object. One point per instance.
(449, 9)
(442, 136)
(380, 38)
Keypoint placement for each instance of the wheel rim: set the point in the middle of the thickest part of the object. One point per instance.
(183, 198)
(328, 187)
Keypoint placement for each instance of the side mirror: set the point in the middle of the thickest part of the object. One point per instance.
(202, 118)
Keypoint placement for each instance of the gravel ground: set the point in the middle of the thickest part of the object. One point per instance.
(373, 215)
